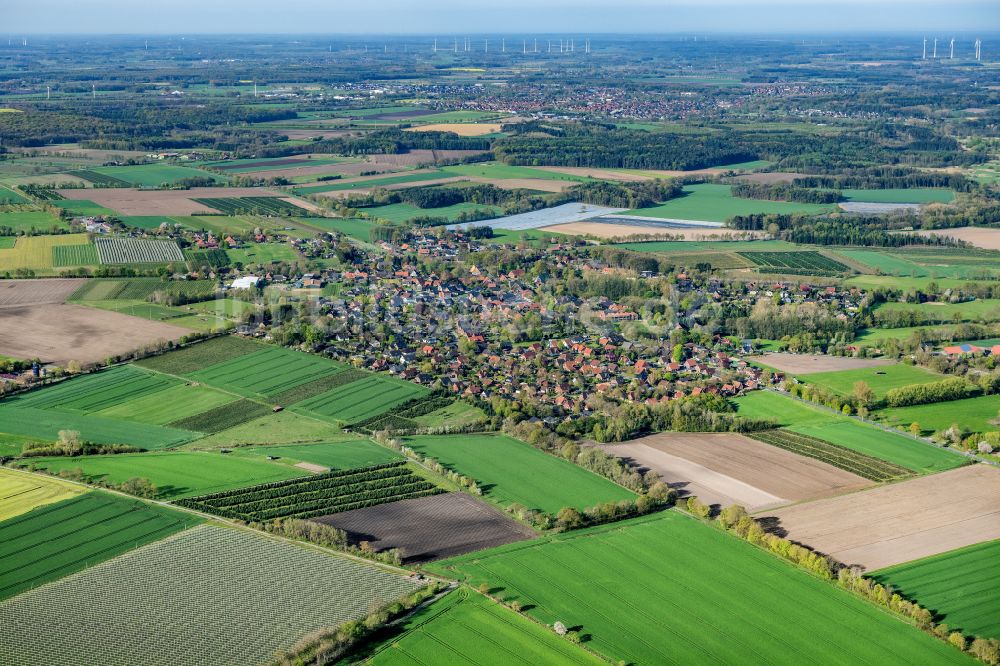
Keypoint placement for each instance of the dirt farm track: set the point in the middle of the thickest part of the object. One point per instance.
(899, 522)
(728, 468)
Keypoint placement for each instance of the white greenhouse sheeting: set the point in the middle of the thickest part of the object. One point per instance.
(571, 212)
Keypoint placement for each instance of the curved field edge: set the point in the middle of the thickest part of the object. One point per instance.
(669, 589)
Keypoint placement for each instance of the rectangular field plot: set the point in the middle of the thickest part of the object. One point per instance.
(896, 523)
(317, 495)
(266, 372)
(804, 262)
(841, 457)
(266, 206)
(670, 590)
(798, 364)
(728, 468)
(223, 417)
(362, 399)
(36, 252)
(207, 585)
(46, 424)
(347, 454)
(972, 414)
(139, 289)
(276, 428)
(101, 390)
(169, 405)
(20, 492)
(880, 379)
(200, 355)
(476, 630)
(138, 251)
(430, 528)
(74, 255)
(56, 540)
(511, 471)
(843, 431)
(175, 474)
(961, 587)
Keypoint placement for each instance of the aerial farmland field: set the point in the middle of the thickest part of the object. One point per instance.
(403, 212)
(20, 492)
(346, 454)
(978, 414)
(362, 399)
(843, 431)
(476, 630)
(207, 584)
(265, 372)
(137, 251)
(880, 379)
(719, 599)
(36, 252)
(55, 540)
(28, 220)
(961, 586)
(176, 474)
(155, 175)
(512, 471)
(715, 203)
(46, 423)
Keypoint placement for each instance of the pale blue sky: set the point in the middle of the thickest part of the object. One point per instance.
(476, 16)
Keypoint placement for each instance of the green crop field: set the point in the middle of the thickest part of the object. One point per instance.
(148, 222)
(74, 255)
(266, 372)
(176, 474)
(916, 195)
(46, 423)
(361, 399)
(276, 428)
(207, 584)
(346, 454)
(742, 166)
(850, 460)
(223, 417)
(268, 206)
(803, 262)
(475, 630)
(8, 196)
(510, 471)
(94, 392)
(263, 253)
(962, 587)
(715, 203)
(980, 414)
(983, 309)
(154, 175)
(168, 405)
(82, 207)
(201, 355)
(55, 540)
(28, 220)
(497, 171)
(799, 417)
(457, 413)
(670, 590)
(403, 212)
(36, 252)
(355, 228)
(334, 186)
(140, 289)
(934, 265)
(880, 378)
(710, 246)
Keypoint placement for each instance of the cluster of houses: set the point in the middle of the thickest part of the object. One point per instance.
(968, 349)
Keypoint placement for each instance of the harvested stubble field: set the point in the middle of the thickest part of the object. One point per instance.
(983, 237)
(961, 587)
(728, 468)
(37, 292)
(667, 589)
(21, 492)
(133, 202)
(461, 129)
(60, 333)
(476, 630)
(362, 399)
(797, 364)
(56, 540)
(207, 584)
(176, 474)
(900, 522)
(511, 471)
(430, 528)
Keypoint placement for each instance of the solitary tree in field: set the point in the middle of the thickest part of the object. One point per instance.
(915, 429)
(863, 394)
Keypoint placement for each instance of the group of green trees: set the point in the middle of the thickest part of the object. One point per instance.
(785, 192)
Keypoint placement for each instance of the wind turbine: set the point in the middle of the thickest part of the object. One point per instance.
(935, 48)
(979, 49)
(951, 46)
(925, 48)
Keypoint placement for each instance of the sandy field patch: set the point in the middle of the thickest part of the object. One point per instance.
(988, 239)
(772, 177)
(602, 174)
(801, 364)
(608, 230)
(52, 179)
(430, 528)
(37, 292)
(312, 467)
(461, 129)
(130, 201)
(60, 333)
(728, 468)
(899, 522)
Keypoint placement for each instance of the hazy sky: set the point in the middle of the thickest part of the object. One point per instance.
(478, 16)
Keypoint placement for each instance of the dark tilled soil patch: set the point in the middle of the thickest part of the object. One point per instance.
(430, 528)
